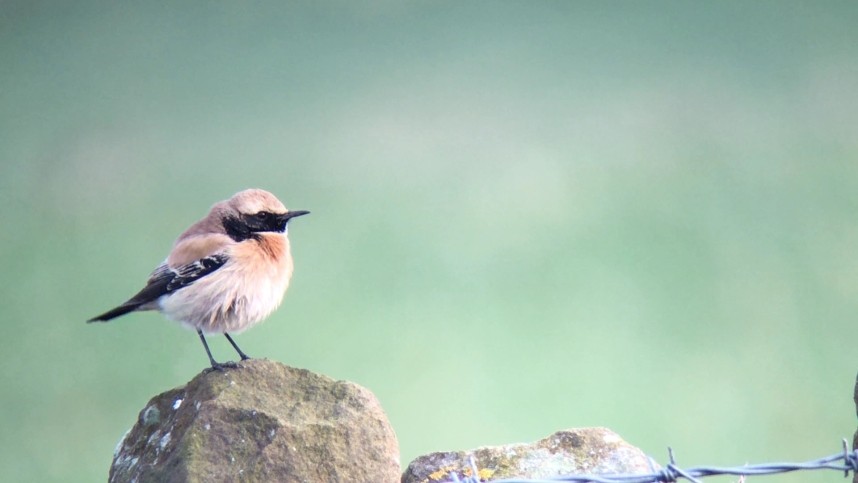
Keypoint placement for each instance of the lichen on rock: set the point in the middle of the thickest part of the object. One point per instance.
(572, 451)
(262, 421)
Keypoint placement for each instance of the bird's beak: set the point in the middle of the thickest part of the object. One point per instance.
(292, 214)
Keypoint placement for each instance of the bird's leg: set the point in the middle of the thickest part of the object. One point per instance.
(244, 356)
(215, 365)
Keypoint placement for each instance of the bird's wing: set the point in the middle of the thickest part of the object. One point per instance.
(166, 279)
(163, 281)
(190, 273)
(192, 259)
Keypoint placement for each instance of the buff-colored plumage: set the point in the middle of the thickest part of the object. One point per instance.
(227, 272)
(240, 294)
(246, 290)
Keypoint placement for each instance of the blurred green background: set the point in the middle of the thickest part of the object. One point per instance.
(525, 216)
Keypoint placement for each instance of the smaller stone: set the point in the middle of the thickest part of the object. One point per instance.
(573, 451)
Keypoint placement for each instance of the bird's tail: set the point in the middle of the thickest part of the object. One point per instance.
(113, 313)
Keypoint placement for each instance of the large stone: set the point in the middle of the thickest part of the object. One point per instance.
(573, 451)
(262, 421)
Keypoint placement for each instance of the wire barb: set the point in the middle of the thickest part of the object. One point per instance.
(850, 459)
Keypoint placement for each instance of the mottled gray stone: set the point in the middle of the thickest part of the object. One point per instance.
(262, 421)
(573, 451)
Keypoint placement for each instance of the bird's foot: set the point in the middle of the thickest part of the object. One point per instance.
(221, 366)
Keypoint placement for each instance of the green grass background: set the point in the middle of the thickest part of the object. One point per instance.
(525, 216)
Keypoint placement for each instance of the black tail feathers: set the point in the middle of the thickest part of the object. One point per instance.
(113, 313)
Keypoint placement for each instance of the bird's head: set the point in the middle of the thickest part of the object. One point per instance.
(256, 211)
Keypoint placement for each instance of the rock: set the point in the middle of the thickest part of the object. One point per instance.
(262, 421)
(573, 451)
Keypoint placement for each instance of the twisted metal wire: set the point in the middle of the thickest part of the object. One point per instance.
(845, 461)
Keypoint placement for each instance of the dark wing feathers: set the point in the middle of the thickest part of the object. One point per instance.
(163, 281)
(190, 273)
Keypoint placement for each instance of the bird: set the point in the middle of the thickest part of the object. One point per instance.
(226, 273)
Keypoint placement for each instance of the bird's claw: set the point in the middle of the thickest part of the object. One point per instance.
(221, 366)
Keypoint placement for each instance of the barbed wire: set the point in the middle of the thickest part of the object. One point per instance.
(845, 461)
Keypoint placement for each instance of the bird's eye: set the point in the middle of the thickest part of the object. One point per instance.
(264, 215)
